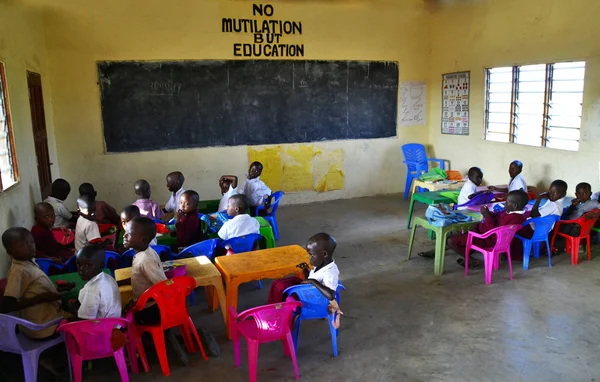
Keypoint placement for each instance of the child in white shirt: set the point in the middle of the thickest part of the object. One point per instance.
(256, 190)
(60, 191)
(86, 230)
(127, 215)
(469, 190)
(516, 180)
(554, 206)
(100, 297)
(228, 185)
(241, 223)
(175, 186)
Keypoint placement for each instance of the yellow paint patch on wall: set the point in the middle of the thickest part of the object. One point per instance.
(329, 170)
(270, 157)
(297, 170)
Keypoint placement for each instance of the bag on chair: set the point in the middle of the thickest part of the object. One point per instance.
(440, 215)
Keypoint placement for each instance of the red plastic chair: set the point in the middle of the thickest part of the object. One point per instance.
(491, 256)
(91, 339)
(586, 222)
(170, 295)
(269, 323)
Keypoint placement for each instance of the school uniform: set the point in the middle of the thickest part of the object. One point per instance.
(62, 213)
(328, 276)
(549, 208)
(149, 208)
(517, 183)
(46, 244)
(100, 298)
(576, 212)
(188, 230)
(240, 225)
(26, 280)
(105, 214)
(128, 230)
(469, 188)
(225, 198)
(85, 231)
(146, 271)
(255, 190)
(173, 202)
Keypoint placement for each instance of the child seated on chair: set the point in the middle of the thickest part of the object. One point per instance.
(86, 230)
(582, 204)
(187, 223)
(240, 224)
(60, 191)
(512, 214)
(100, 297)
(324, 275)
(148, 208)
(45, 243)
(105, 214)
(175, 186)
(29, 292)
(228, 185)
(127, 215)
(469, 189)
(516, 180)
(256, 190)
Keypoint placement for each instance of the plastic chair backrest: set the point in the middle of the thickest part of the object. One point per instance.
(243, 243)
(504, 236)
(91, 339)
(275, 202)
(128, 256)
(162, 249)
(158, 221)
(70, 265)
(585, 223)
(314, 304)
(483, 198)
(203, 248)
(45, 264)
(415, 153)
(543, 226)
(110, 255)
(8, 333)
(273, 321)
(170, 296)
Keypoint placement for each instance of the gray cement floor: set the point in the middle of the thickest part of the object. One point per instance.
(404, 324)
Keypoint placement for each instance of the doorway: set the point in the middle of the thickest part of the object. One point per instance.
(40, 135)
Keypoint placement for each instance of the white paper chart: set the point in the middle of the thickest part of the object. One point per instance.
(455, 103)
(413, 103)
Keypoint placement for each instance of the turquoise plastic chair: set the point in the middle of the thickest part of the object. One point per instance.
(417, 163)
(315, 306)
(543, 226)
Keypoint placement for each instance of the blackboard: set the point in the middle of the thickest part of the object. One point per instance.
(179, 104)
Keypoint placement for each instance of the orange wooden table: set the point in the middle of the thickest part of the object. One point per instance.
(201, 269)
(272, 263)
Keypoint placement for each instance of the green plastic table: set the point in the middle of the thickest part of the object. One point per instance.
(73, 294)
(441, 234)
(428, 198)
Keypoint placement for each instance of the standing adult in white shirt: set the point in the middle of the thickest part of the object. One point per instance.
(516, 180)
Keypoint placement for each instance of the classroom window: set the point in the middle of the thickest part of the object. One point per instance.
(537, 105)
(8, 164)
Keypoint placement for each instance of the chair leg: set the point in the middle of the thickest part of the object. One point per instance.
(30, 365)
(130, 347)
(236, 349)
(575, 251)
(252, 358)
(273, 222)
(488, 263)
(187, 339)
(408, 184)
(410, 210)
(526, 253)
(293, 354)
(158, 336)
(468, 249)
(296, 332)
(588, 249)
(333, 334)
(142, 352)
(440, 245)
(411, 240)
(192, 328)
(509, 264)
(549, 250)
(121, 364)
(259, 284)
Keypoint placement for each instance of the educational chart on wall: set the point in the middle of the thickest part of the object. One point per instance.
(413, 103)
(455, 103)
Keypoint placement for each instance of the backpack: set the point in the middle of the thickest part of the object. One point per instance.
(440, 215)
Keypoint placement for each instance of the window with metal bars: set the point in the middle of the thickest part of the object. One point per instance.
(537, 105)
(8, 163)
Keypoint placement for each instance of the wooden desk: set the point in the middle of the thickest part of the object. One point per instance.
(201, 269)
(270, 263)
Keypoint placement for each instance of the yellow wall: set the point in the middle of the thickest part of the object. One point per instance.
(80, 33)
(506, 32)
(22, 48)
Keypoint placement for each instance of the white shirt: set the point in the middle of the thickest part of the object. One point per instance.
(100, 298)
(62, 213)
(225, 199)
(552, 208)
(146, 270)
(329, 275)
(517, 183)
(240, 225)
(85, 231)
(173, 202)
(255, 190)
(468, 189)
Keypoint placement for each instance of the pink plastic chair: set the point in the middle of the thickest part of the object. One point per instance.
(269, 323)
(90, 339)
(491, 256)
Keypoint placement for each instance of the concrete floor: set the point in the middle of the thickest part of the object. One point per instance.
(404, 324)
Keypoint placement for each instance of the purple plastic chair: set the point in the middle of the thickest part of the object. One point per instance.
(18, 343)
(543, 226)
(271, 217)
(483, 198)
(91, 339)
(417, 163)
(269, 323)
(491, 256)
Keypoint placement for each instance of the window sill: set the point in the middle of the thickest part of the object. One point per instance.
(532, 146)
(10, 189)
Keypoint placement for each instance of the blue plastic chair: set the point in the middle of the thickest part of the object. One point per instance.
(203, 248)
(108, 255)
(158, 221)
(12, 341)
(314, 306)
(45, 264)
(127, 258)
(417, 163)
(484, 198)
(271, 217)
(162, 250)
(543, 226)
(243, 244)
